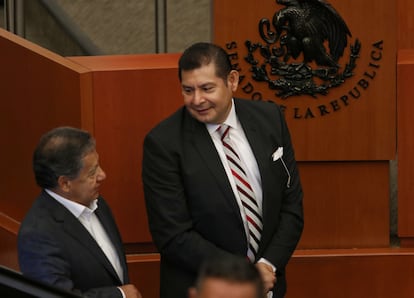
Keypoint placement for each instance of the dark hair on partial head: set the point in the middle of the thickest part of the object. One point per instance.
(203, 53)
(60, 153)
(235, 269)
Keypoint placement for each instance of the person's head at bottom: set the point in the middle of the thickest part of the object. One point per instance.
(231, 277)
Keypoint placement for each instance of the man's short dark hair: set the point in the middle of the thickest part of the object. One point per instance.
(60, 153)
(203, 53)
(235, 269)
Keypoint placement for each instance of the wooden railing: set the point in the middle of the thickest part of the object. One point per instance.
(8, 241)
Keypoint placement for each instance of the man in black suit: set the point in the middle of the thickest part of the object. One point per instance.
(69, 238)
(196, 207)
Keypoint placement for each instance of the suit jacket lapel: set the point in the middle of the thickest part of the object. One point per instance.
(110, 229)
(254, 136)
(257, 143)
(74, 227)
(202, 141)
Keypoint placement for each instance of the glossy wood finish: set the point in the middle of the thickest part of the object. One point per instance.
(39, 90)
(131, 94)
(346, 204)
(144, 272)
(405, 147)
(357, 273)
(8, 241)
(114, 97)
(362, 130)
(405, 9)
(343, 156)
(119, 98)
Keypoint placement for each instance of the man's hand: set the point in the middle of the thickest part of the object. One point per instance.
(268, 276)
(131, 291)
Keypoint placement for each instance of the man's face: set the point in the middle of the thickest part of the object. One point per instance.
(206, 96)
(219, 288)
(85, 188)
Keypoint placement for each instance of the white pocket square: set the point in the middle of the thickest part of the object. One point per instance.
(277, 154)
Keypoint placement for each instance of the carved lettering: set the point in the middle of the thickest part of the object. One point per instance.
(335, 105)
(344, 99)
(378, 44)
(323, 110)
(256, 96)
(236, 67)
(370, 75)
(282, 108)
(363, 83)
(376, 56)
(297, 116)
(233, 56)
(373, 65)
(248, 88)
(309, 114)
(231, 45)
(356, 96)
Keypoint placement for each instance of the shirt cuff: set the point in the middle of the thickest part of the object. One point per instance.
(122, 292)
(263, 260)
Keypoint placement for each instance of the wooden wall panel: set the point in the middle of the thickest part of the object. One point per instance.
(8, 251)
(405, 72)
(351, 273)
(118, 100)
(346, 204)
(8, 242)
(405, 145)
(144, 273)
(120, 127)
(131, 95)
(362, 129)
(39, 90)
(405, 26)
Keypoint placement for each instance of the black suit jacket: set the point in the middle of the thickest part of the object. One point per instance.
(54, 247)
(192, 211)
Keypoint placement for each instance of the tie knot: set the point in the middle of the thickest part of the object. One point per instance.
(223, 130)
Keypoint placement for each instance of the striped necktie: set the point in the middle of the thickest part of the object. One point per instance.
(246, 194)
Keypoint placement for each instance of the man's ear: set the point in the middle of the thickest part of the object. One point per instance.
(233, 80)
(64, 183)
(192, 292)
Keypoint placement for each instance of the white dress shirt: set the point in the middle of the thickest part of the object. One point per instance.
(249, 163)
(90, 221)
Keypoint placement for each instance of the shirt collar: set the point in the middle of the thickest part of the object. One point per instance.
(75, 208)
(230, 121)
